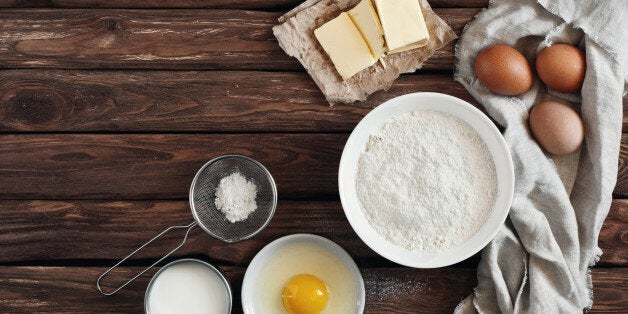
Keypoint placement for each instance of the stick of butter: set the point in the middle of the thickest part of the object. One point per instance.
(365, 19)
(345, 46)
(403, 24)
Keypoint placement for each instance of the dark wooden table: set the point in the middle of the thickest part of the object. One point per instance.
(108, 107)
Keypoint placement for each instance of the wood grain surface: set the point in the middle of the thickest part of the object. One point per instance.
(158, 166)
(160, 39)
(613, 238)
(161, 166)
(204, 101)
(207, 101)
(198, 4)
(108, 108)
(82, 225)
(389, 290)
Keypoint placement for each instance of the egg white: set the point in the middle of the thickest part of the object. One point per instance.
(305, 258)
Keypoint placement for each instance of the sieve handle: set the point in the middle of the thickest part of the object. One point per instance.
(188, 227)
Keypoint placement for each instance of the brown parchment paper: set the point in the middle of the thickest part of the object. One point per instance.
(296, 37)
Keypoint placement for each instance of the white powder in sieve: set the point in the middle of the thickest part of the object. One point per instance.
(426, 181)
(235, 197)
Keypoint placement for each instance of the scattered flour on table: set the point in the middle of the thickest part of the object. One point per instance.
(235, 197)
(426, 181)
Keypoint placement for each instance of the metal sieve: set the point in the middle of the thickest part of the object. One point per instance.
(208, 217)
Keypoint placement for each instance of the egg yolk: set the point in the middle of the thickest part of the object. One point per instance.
(305, 294)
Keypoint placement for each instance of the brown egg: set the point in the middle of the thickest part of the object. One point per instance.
(561, 67)
(557, 127)
(503, 70)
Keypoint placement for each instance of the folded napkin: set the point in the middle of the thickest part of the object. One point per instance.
(539, 260)
(296, 37)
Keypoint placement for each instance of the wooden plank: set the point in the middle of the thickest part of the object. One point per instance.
(613, 239)
(621, 187)
(388, 290)
(207, 101)
(43, 230)
(198, 4)
(161, 166)
(610, 290)
(158, 166)
(159, 39)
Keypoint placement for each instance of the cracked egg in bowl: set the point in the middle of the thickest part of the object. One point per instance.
(302, 274)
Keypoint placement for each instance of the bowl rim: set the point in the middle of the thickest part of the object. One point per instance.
(149, 287)
(391, 251)
(254, 267)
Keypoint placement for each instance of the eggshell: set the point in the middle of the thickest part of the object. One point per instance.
(503, 70)
(557, 127)
(561, 67)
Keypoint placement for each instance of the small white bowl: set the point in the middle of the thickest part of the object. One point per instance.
(262, 257)
(433, 102)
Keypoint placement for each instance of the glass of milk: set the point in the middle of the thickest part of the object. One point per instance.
(188, 286)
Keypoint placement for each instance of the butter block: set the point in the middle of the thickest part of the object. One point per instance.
(403, 24)
(408, 47)
(365, 19)
(345, 46)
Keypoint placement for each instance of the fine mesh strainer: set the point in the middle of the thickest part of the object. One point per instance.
(208, 217)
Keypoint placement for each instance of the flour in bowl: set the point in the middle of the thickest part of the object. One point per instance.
(426, 181)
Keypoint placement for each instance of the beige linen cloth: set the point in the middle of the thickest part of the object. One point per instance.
(296, 37)
(539, 261)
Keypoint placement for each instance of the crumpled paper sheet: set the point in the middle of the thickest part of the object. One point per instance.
(296, 37)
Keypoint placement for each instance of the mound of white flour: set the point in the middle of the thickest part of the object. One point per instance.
(236, 197)
(426, 181)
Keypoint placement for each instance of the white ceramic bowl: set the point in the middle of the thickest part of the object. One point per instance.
(262, 257)
(433, 102)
